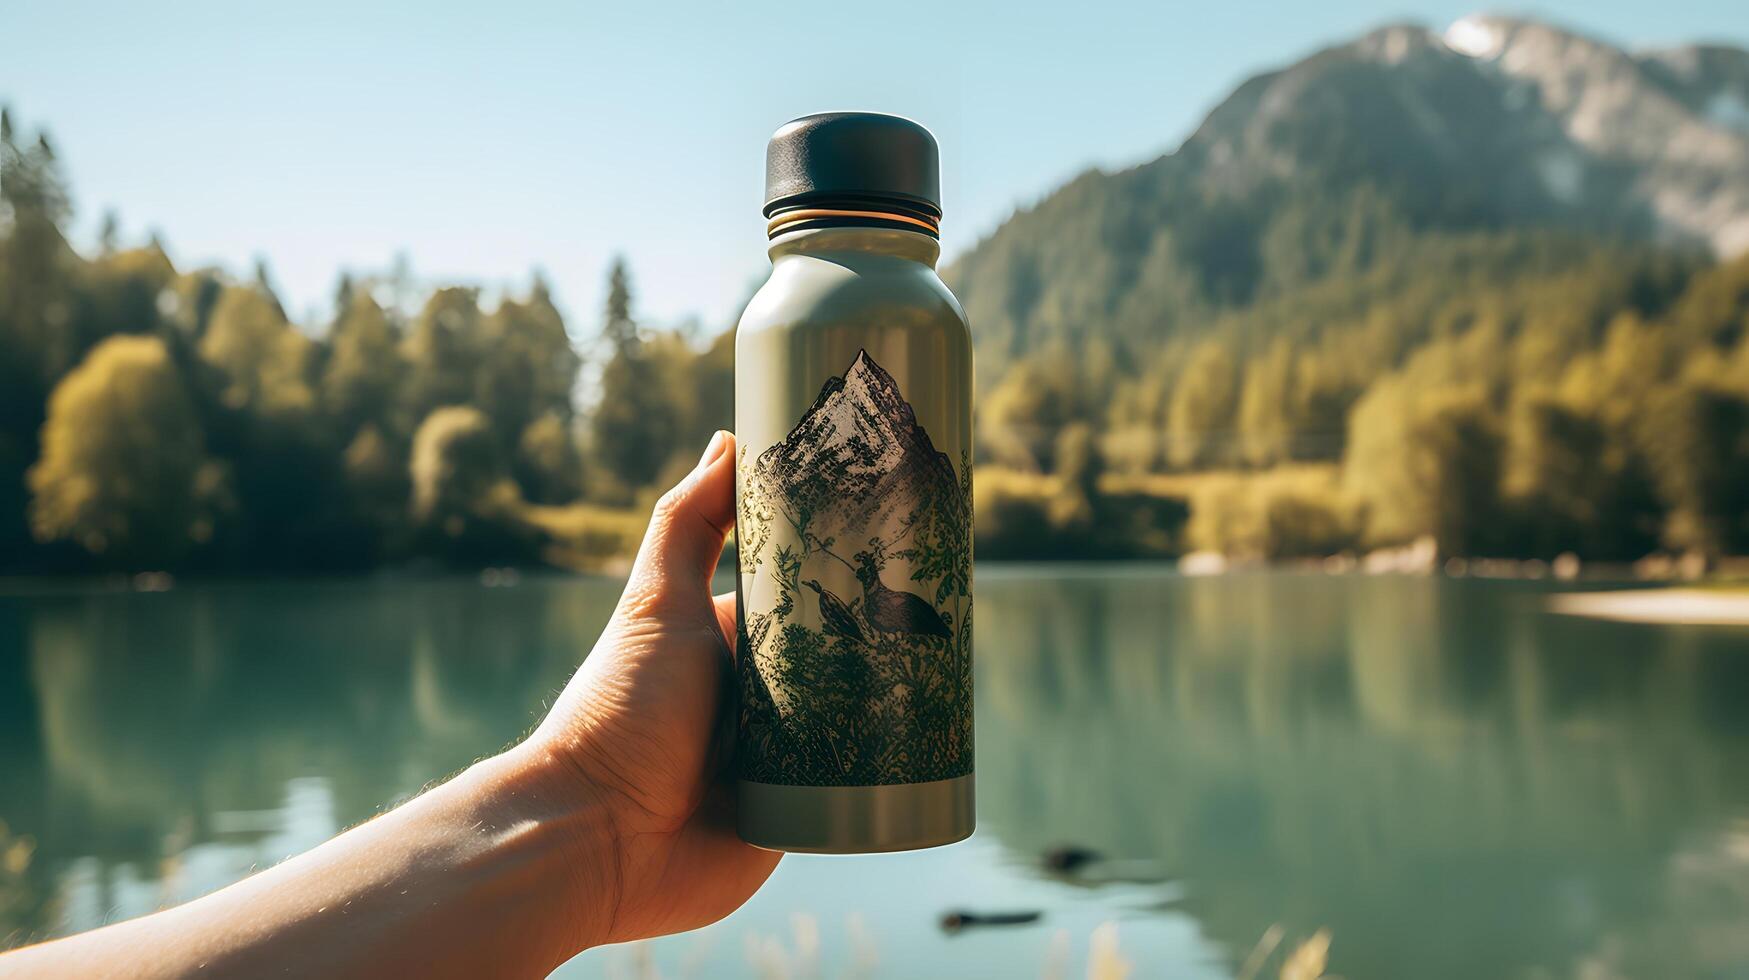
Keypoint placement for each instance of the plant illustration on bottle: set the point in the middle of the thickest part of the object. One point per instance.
(855, 540)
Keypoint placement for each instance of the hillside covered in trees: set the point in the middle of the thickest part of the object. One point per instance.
(1458, 286)
(1505, 394)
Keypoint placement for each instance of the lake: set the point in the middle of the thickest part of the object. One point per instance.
(1449, 779)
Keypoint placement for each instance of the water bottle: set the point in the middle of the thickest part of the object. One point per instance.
(853, 485)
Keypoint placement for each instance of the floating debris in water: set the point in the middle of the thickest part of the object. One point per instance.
(1069, 858)
(1088, 866)
(956, 920)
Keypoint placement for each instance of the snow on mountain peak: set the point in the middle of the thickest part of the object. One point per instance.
(1475, 36)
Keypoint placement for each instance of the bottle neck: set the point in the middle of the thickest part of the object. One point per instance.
(912, 245)
(844, 210)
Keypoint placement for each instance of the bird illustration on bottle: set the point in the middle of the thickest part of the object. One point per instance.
(892, 611)
(837, 616)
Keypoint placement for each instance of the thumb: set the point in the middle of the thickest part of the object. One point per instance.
(686, 533)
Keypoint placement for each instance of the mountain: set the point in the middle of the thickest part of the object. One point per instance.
(858, 462)
(1360, 153)
(1671, 125)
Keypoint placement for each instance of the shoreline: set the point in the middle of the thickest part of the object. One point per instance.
(1671, 607)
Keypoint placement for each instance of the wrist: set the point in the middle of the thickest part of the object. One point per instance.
(555, 828)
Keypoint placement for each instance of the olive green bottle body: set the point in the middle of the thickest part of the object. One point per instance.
(853, 383)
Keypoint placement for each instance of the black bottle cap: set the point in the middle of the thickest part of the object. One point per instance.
(853, 159)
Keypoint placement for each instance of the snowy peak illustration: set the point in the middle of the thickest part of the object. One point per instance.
(857, 462)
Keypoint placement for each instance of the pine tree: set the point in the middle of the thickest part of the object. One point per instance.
(618, 326)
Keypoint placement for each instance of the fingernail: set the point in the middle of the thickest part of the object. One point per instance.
(712, 451)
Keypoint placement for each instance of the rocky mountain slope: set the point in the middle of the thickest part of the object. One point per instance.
(1358, 152)
(857, 463)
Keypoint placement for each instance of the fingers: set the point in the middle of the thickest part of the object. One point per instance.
(725, 604)
(728, 712)
(687, 529)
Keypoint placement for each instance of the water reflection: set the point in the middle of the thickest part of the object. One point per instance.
(142, 725)
(1453, 782)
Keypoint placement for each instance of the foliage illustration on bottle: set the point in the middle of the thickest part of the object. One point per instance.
(855, 555)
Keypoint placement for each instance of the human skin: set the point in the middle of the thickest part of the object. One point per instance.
(613, 821)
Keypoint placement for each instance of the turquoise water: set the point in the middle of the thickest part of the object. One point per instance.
(1450, 780)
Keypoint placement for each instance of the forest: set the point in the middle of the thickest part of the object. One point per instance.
(1517, 394)
(1348, 379)
(162, 419)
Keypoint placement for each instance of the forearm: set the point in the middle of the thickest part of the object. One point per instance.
(508, 869)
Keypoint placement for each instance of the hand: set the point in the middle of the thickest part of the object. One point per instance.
(644, 725)
(612, 822)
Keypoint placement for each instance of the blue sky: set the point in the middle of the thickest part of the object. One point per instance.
(486, 140)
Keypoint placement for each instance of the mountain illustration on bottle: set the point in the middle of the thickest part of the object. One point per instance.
(855, 555)
(858, 460)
